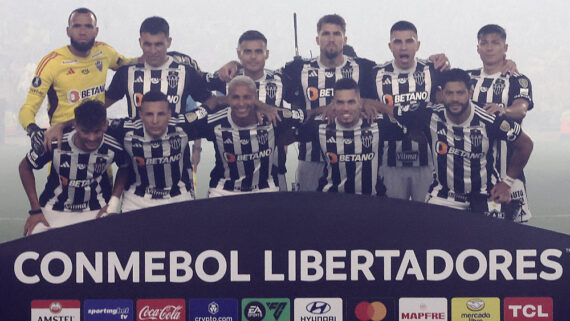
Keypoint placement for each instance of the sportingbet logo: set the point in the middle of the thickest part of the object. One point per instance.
(518, 309)
(161, 309)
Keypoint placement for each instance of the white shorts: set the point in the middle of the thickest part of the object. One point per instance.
(308, 175)
(133, 202)
(447, 202)
(60, 219)
(407, 182)
(218, 192)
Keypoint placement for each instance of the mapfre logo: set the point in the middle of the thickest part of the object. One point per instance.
(161, 309)
(423, 309)
(518, 309)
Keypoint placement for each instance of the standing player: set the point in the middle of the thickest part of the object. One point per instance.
(78, 187)
(252, 53)
(503, 94)
(351, 145)
(407, 165)
(71, 74)
(462, 135)
(176, 76)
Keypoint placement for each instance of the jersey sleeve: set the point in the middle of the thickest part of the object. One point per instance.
(194, 123)
(198, 86)
(185, 59)
(39, 161)
(388, 129)
(118, 87)
(367, 78)
(214, 83)
(506, 129)
(435, 82)
(520, 87)
(41, 83)
(116, 128)
(414, 115)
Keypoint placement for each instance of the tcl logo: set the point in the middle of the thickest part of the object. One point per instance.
(161, 310)
(528, 309)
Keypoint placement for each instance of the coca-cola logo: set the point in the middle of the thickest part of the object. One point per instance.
(168, 312)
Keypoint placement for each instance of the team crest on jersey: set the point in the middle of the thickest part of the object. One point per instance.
(36, 82)
(367, 139)
(172, 79)
(100, 165)
(99, 65)
(476, 138)
(271, 89)
(419, 77)
(523, 82)
(346, 72)
(175, 142)
(498, 86)
(262, 137)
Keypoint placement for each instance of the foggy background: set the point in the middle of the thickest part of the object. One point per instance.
(208, 31)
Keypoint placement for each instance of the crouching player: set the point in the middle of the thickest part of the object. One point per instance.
(351, 145)
(78, 187)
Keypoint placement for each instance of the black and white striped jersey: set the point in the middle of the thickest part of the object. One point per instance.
(176, 79)
(244, 155)
(78, 180)
(270, 90)
(313, 86)
(499, 89)
(394, 86)
(160, 168)
(352, 155)
(463, 153)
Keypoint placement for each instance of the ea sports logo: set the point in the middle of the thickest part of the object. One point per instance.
(55, 307)
(367, 311)
(73, 96)
(312, 93)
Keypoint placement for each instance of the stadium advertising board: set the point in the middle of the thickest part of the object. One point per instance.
(267, 257)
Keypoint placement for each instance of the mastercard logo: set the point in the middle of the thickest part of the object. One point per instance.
(441, 148)
(312, 93)
(332, 157)
(366, 311)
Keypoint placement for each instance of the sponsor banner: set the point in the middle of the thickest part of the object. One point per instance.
(53, 310)
(213, 310)
(423, 309)
(108, 310)
(318, 309)
(528, 309)
(268, 245)
(470, 309)
(266, 309)
(372, 309)
(161, 309)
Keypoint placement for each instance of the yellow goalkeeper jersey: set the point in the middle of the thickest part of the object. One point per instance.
(68, 80)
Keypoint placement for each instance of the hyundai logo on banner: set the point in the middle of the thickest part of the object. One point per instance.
(318, 309)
